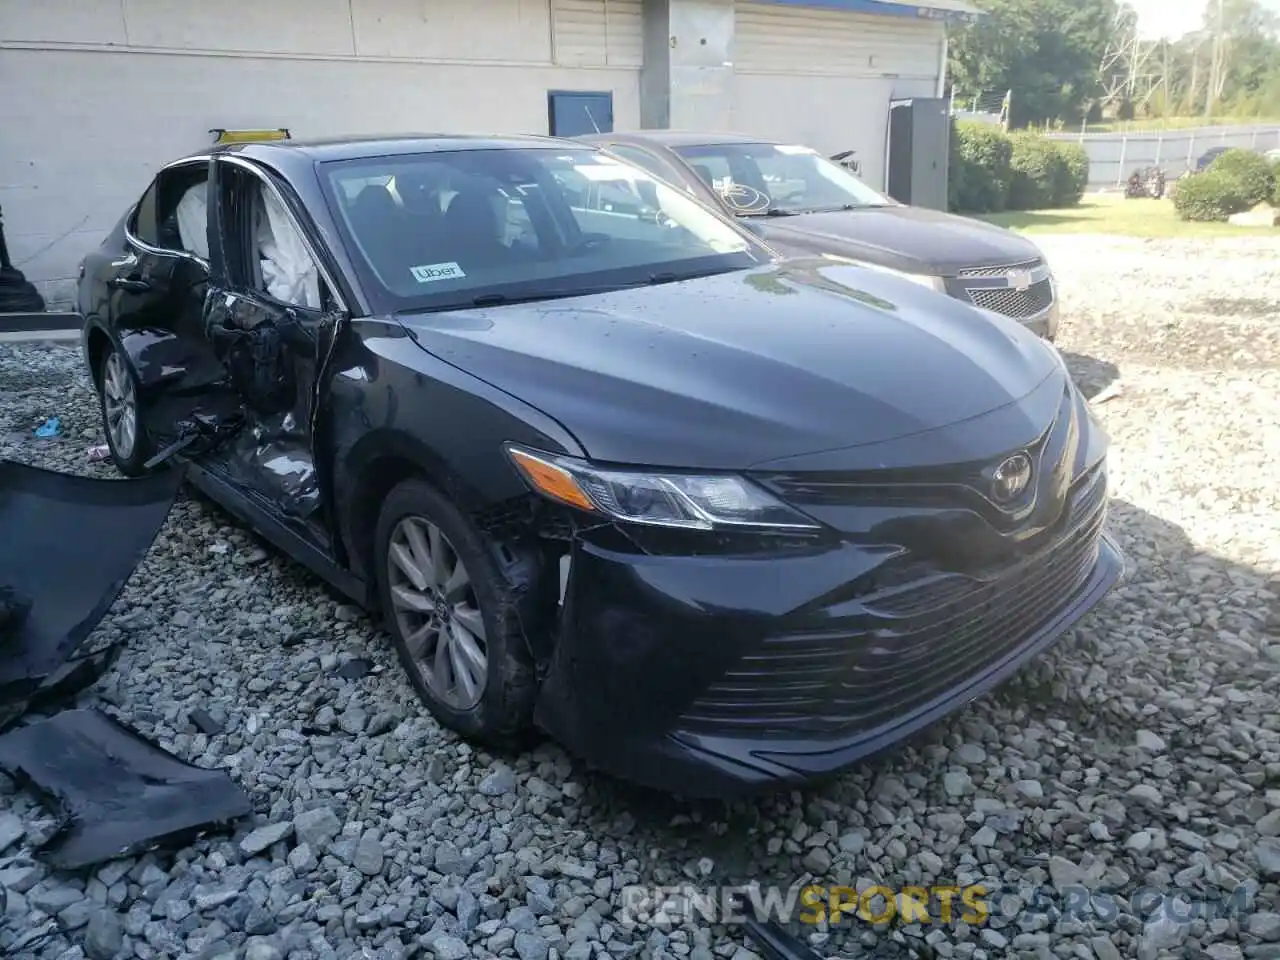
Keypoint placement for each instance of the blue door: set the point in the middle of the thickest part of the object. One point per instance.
(571, 113)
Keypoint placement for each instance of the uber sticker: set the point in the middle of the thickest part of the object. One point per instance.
(432, 272)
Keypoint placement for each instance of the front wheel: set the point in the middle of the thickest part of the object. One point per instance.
(127, 438)
(453, 616)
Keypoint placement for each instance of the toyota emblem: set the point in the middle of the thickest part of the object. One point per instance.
(1010, 478)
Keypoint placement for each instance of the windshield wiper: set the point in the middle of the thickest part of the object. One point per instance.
(499, 299)
(503, 299)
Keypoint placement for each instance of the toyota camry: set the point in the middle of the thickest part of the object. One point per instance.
(606, 465)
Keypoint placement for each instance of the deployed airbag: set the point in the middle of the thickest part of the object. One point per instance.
(119, 793)
(288, 271)
(67, 546)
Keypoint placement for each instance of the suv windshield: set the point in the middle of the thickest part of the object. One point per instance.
(462, 228)
(755, 179)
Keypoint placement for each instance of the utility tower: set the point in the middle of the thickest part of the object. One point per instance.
(1129, 71)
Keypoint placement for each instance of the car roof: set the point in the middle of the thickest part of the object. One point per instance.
(676, 138)
(373, 145)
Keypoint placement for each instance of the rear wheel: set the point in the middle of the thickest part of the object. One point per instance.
(127, 438)
(453, 616)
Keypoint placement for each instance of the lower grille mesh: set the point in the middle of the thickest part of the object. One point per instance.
(902, 646)
(1018, 304)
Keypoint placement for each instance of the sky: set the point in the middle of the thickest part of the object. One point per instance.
(1173, 18)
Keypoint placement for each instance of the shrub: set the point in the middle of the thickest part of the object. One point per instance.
(978, 167)
(1211, 195)
(1252, 172)
(1076, 162)
(1275, 173)
(1038, 172)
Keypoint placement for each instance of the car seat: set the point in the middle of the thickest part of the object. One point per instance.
(472, 229)
(382, 231)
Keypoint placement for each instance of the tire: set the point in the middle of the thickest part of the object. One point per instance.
(500, 714)
(118, 385)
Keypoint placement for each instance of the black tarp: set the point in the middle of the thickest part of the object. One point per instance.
(67, 546)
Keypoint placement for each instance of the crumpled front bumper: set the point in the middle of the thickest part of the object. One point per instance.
(67, 546)
(643, 638)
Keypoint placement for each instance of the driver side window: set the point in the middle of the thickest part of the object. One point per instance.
(265, 249)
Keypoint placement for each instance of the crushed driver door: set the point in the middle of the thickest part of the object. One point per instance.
(272, 320)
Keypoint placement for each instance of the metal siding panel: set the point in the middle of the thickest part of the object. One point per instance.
(791, 40)
(597, 33)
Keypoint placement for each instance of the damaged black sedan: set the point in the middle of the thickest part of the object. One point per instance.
(714, 520)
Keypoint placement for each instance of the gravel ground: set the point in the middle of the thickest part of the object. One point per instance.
(1142, 753)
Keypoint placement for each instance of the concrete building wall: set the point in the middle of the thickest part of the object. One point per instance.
(99, 93)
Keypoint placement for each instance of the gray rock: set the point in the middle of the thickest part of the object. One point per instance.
(853, 841)
(500, 781)
(53, 899)
(368, 856)
(1269, 825)
(956, 783)
(817, 860)
(531, 946)
(450, 948)
(1029, 789)
(1149, 742)
(316, 828)
(257, 948)
(1264, 926)
(103, 935)
(264, 838)
(12, 829)
(1146, 793)
(1267, 852)
(302, 858)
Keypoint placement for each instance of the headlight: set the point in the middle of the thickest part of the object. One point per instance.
(924, 280)
(681, 500)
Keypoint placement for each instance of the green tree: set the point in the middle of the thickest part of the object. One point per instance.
(1046, 51)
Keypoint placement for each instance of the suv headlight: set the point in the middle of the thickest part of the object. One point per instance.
(661, 499)
(924, 280)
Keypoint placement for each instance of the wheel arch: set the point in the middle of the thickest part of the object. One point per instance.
(377, 462)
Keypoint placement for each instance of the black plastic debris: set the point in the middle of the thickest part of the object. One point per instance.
(62, 686)
(775, 943)
(118, 792)
(355, 668)
(67, 546)
(203, 721)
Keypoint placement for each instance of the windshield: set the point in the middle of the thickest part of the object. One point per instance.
(760, 178)
(443, 230)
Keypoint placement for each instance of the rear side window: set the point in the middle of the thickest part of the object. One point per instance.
(146, 225)
(172, 214)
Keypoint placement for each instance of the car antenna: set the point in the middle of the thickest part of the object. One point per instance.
(591, 117)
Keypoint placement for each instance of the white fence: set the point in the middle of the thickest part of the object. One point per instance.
(1113, 156)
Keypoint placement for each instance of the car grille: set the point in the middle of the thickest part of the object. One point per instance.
(999, 271)
(1018, 304)
(904, 644)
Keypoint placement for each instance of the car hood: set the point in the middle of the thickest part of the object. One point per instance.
(737, 369)
(901, 237)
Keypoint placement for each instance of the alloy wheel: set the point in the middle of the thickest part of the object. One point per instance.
(437, 612)
(120, 401)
